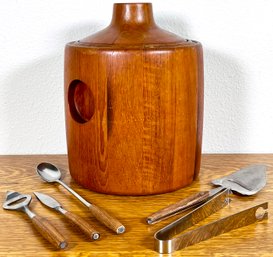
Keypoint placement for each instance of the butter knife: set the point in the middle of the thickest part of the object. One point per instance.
(88, 229)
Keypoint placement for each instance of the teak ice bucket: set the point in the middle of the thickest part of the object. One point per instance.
(134, 106)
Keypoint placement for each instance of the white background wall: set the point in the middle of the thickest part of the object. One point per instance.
(237, 37)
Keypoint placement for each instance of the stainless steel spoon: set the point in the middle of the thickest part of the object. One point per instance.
(50, 173)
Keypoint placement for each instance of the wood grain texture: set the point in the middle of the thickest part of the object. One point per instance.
(177, 207)
(105, 218)
(82, 224)
(49, 232)
(19, 238)
(140, 129)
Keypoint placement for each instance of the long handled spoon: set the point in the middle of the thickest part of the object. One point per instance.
(50, 173)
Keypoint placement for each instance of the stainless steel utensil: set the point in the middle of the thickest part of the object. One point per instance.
(50, 173)
(167, 241)
(49, 201)
(20, 202)
(247, 181)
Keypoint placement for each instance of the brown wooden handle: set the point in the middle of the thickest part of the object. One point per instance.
(108, 220)
(88, 229)
(177, 207)
(49, 232)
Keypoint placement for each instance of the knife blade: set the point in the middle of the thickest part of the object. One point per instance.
(51, 202)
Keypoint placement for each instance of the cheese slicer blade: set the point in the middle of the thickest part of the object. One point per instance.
(20, 202)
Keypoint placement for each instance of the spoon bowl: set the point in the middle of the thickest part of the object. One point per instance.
(48, 172)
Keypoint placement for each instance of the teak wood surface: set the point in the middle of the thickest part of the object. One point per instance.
(134, 106)
(19, 238)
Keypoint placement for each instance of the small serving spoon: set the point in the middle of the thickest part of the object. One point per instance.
(50, 173)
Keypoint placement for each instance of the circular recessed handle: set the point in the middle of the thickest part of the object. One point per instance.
(81, 101)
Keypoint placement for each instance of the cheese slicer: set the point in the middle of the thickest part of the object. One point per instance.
(246, 181)
(20, 202)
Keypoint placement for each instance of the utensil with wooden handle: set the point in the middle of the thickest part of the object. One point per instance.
(246, 181)
(182, 205)
(50, 173)
(20, 202)
(82, 224)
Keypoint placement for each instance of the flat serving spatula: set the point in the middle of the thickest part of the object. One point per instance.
(88, 229)
(246, 181)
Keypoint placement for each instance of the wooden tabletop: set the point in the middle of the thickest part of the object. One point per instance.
(19, 238)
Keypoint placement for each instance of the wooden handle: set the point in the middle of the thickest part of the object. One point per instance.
(175, 208)
(88, 229)
(47, 230)
(108, 220)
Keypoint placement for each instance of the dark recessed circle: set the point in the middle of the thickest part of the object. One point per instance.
(81, 101)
